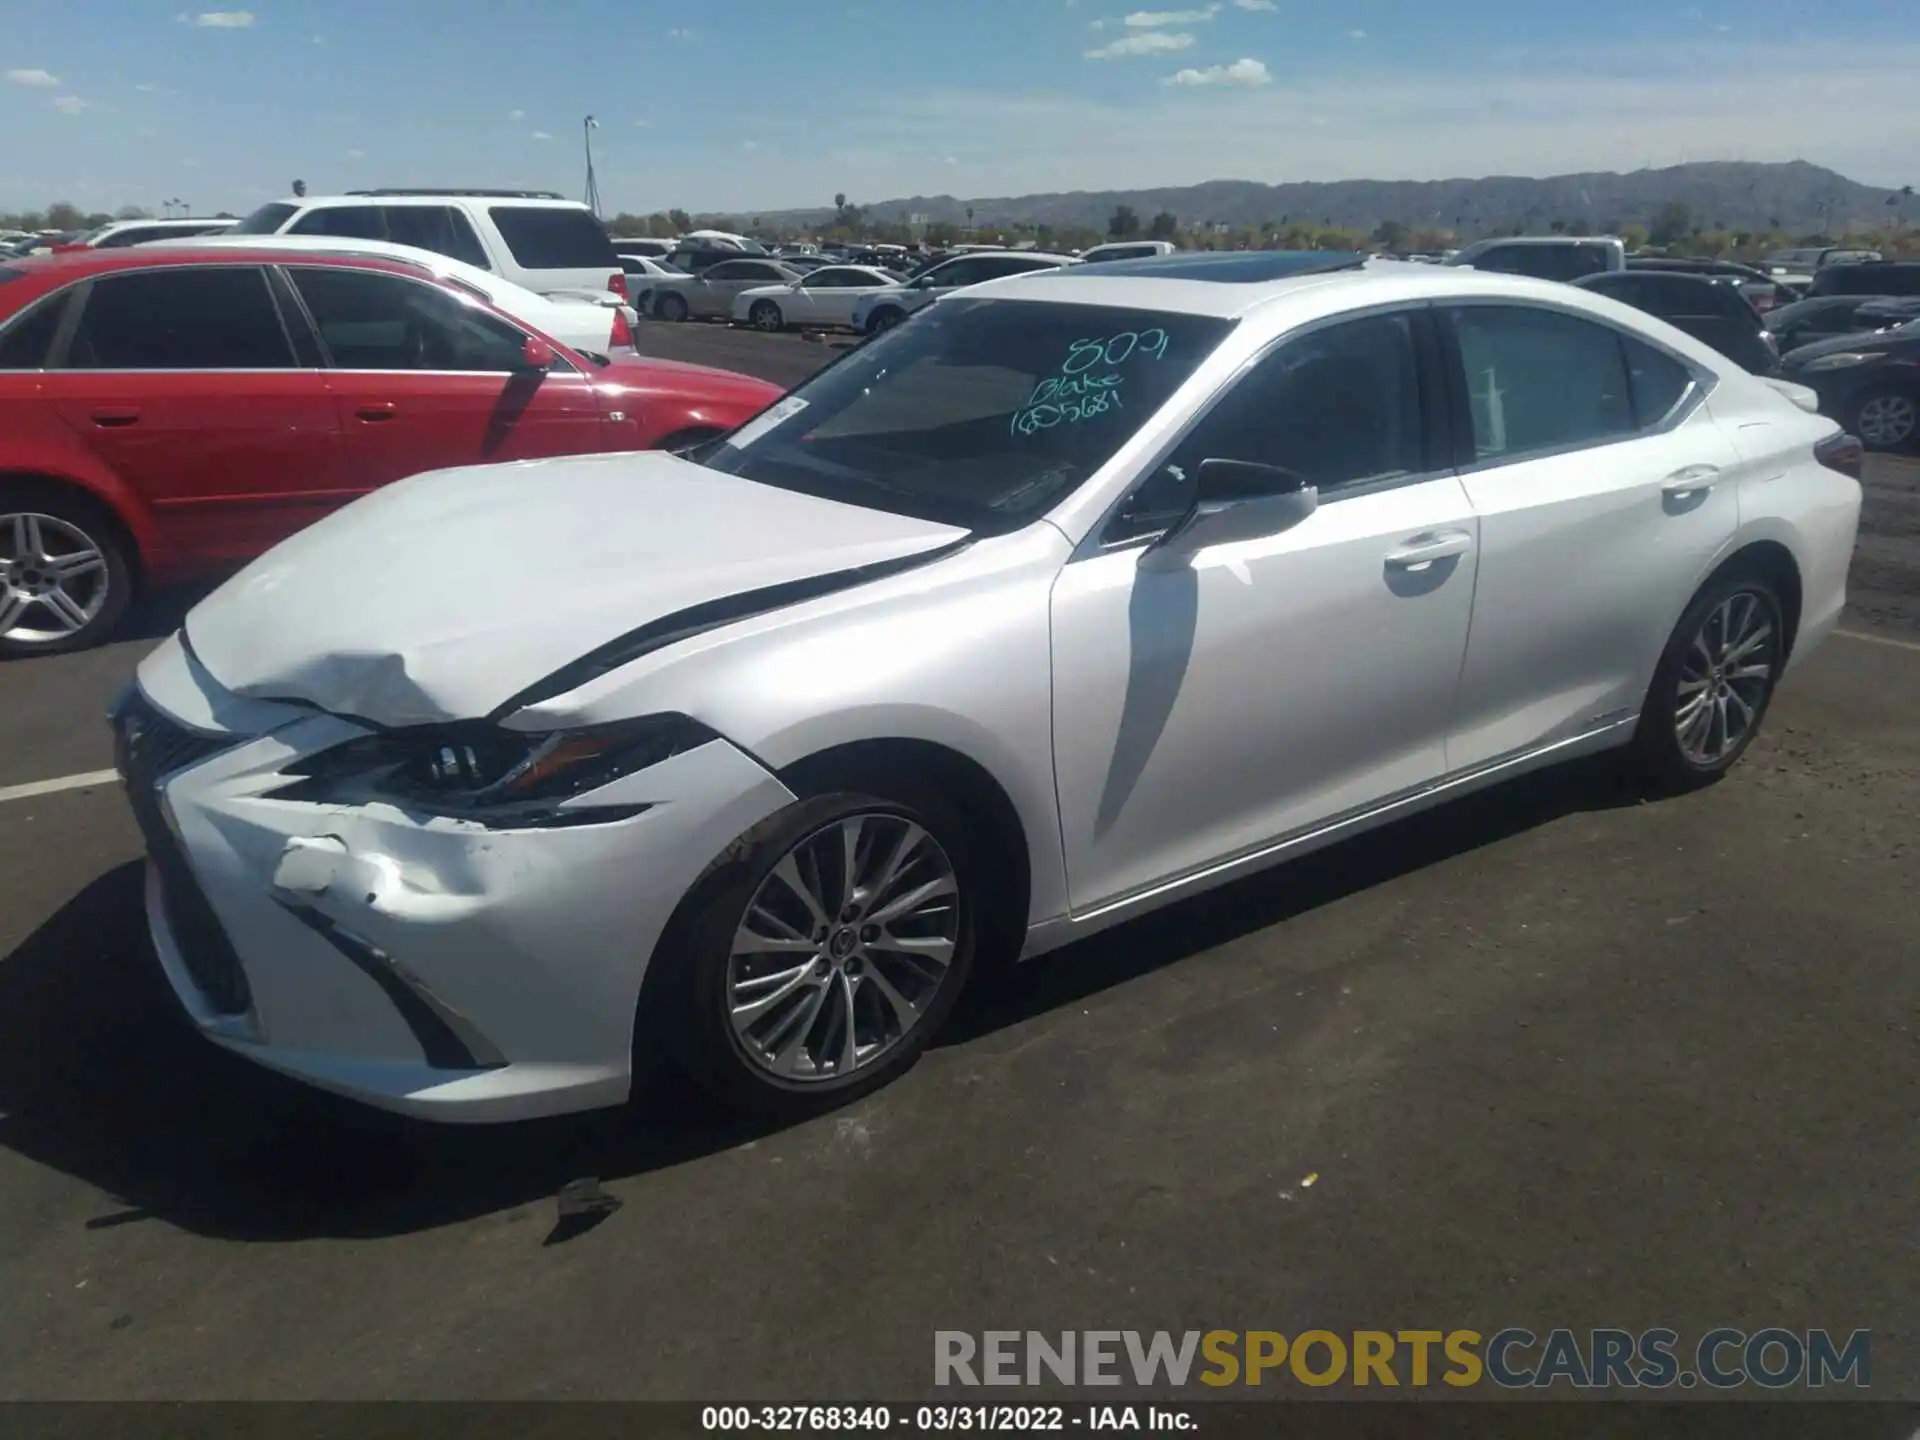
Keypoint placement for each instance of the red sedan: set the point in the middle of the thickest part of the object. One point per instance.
(168, 415)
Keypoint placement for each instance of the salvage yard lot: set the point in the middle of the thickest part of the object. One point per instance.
(1557, 1056)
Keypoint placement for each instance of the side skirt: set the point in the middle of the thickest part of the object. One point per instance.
(1051, 934)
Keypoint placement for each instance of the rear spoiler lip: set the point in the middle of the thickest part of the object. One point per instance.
(1807, 399)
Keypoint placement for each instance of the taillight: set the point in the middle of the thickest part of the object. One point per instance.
(617, 283)
(1841, 452)
(622, 332)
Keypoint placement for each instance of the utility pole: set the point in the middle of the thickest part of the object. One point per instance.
(587, 127)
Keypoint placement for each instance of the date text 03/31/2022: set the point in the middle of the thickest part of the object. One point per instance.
(942, 1419)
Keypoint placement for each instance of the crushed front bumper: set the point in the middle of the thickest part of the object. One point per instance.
(426, 965)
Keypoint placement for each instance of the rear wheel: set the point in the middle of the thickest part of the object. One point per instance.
(65, 578)
(1713, 684)
(816, 961)
(766, 316)
(1886, 420)
(672, 308)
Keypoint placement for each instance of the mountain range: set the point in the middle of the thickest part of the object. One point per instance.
(1795, 196)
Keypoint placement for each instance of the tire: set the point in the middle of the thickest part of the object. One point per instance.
(1886, 419)
(50, 609)
(1726, 618)
(786, 1062)
(672, 309)
(884, 319)
(766, 317)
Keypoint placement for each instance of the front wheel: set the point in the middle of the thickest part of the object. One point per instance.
(819, 958)
(65, 579)
(1886, 420)
(1713, 684)
(884, 319)
(765, 316)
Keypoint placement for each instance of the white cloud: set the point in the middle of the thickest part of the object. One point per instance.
(1147, 42)
(356, 154)
(1158, 19)
(1255, 5)
(218, 19)
(679, 32)
(68, 104)
(516, 114)
(1356, 34)
(1244, 73)
(34, 79)
(541, 135)
(749, 144)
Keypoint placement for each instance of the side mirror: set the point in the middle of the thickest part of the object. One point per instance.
(536, 354)
(1237, 500)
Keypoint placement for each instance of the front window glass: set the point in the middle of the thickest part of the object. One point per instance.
(267, 220)
(978, 413)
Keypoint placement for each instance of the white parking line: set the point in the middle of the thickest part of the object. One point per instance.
(65, 782)
(108, 777)
(1878, 639)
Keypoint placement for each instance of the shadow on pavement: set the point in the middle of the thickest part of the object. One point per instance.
(103, 1078)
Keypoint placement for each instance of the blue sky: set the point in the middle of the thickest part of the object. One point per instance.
(745, 104)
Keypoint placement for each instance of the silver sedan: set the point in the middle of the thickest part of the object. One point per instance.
(1070, 596)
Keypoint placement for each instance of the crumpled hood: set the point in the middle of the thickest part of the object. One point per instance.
(444, 596)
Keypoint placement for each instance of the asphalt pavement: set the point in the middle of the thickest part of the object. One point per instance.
(1555, 1056)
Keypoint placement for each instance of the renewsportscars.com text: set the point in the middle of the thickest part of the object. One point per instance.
(1721, 1359)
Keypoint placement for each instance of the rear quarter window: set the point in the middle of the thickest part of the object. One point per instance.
(546, 238)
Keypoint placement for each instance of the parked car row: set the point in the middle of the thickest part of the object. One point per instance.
(1849, 337)
(169, 411)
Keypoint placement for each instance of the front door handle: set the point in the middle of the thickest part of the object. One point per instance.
(1422, 550)
(112, 419)
(377, 412)
(1693, 480)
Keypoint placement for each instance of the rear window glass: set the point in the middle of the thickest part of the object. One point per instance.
(439, 228)
(184, 319)
(546, 238)
(267, 220)
(1867, 279)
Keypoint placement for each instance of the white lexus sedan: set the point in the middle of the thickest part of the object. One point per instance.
(1072, 596)
(822, 298)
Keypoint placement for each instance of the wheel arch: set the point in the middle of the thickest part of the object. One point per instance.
(970, 786)
(106, 497)
(1769, 558)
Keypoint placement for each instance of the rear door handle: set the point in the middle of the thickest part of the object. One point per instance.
(1694, 480)
(1423, 550)
(377, 412)
(114, 418)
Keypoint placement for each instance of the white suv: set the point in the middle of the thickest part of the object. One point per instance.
(534, 238)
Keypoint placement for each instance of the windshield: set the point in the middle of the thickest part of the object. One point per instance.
(979, 413)
(267, 220)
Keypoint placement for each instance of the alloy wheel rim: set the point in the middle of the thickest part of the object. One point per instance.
(767, 318)
(1888, 419)
(1724, 678)
(843, 948)
(53, 578)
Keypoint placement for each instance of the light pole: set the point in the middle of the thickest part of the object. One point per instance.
(587, 127)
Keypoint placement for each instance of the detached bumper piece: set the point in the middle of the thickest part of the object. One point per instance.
(148, 747)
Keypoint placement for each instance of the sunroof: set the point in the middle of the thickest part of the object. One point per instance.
(1231, 267)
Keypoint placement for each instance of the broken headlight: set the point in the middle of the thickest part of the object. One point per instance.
(479, 771)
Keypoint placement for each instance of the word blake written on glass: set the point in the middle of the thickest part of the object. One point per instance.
(1089, 381)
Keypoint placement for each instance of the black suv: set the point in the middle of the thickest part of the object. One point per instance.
(1867, 277)
(1713, 313)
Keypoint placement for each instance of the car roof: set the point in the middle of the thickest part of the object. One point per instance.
(1233, 285)
(76, 264)
(547, 201)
